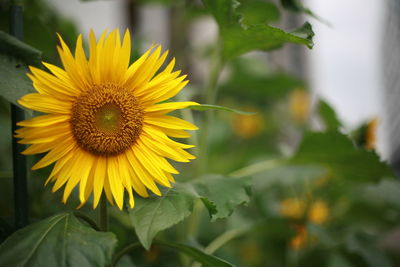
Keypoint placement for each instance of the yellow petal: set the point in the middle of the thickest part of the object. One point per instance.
(100, 174)
(44, 120)
(142, 173)
(56, 153)
(115, 182)
(168, 107)
(169, 122)
(45, 103)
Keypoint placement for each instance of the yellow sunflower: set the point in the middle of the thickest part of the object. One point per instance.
(106, 126)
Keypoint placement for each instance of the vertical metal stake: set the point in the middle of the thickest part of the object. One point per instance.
(17, 114)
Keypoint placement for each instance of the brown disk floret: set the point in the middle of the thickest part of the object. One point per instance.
(106, 120)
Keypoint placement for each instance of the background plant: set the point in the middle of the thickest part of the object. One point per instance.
(266, 190)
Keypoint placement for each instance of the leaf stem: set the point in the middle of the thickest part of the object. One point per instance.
(103, 214)
(87, 219)
(222, 240)
(124, 251)
(210, 98)
(259, 167)
(17, 114)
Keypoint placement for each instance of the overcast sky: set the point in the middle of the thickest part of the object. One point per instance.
(345, 68)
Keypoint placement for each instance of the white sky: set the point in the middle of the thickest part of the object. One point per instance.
(345, 68)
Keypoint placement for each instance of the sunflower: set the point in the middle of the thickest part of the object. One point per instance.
(106, 126)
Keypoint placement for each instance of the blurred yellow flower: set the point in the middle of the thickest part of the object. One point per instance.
(106, 127)
(300, 105)
(318, 212)
(292, 208)
(300, 239)
(248, 126)
(370, 135)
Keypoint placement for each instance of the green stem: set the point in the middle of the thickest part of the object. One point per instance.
(193, 221)
(210, 97)
(17, 114)
(222, 240)
(103, 220)
(124, 251)
(258, 167)
(87, 220)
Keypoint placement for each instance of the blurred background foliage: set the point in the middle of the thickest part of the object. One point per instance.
(318, 198)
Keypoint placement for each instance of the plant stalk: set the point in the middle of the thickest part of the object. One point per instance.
(103, 214)
(210, 97)
(17, 114)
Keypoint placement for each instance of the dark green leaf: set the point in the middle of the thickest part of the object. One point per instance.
(155, 214)
(366, 246)
(198, 255)
(203, 107)
(297, 6)
(223, 11)
(222, 194)
(250, 81)
(15, 56)
(17, 83)
(340, 157)
(328, 115)
(15, 48)
(258, 12)
(61, 240)
(387, 191)
(238, 40)
(288, 175)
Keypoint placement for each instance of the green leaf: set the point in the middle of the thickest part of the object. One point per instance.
(15, 48)
(328, 115)
(198, 255)
(238, 40)
(251, 81)
(17, 83)
(298, 7)
(221, 195)
(258, 12)
(61, 240)
(203, 107)
(155, 214)
(387, 191)
(366, 245)
(224, 11)
(335, 152)
(15, 55)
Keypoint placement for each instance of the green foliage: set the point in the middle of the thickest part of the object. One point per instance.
(338, 155)
(155, 214)
(238, 38)
(17, 83)
(364, 244)
(15, 56)
(328, 116)
(197, 254)
(61, 240)
(13, 47)
(221, 205)
(203, 107)
(258, 12)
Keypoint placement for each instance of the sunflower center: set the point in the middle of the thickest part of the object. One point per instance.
(106, 120)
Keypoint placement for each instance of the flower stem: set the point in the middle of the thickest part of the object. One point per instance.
(17, 114)
(210, 97)
(103, 220)
(87, 219)
(124, 251)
